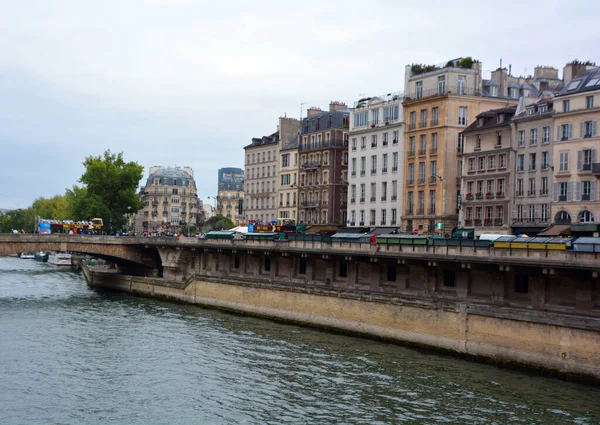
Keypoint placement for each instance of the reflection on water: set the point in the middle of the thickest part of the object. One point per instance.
(69, 355)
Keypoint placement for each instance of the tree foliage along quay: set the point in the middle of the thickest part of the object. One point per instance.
(109, 190)
(23, 219)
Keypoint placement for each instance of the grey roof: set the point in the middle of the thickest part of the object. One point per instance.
(291, 145)
(588, 81)
(487, 83)
(170, 175)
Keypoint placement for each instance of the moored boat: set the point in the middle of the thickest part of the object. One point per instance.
(41, 256)
(27, 255)
(59, 258)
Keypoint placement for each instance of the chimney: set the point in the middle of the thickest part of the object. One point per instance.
(336, 106)
(312, 111)
(189, 170)
(575, 68)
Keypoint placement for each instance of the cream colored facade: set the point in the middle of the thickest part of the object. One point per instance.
(376, 178)
(288, 181)
(261, 172)
(170, 200)
(576, 197)
(438, 106)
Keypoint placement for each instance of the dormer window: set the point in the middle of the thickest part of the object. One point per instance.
(493, 91)
(480, 122)
(530, 110)
(500, 118)
(543, 108)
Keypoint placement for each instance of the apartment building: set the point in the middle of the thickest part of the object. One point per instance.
(533, 179)
(323, 149)
(261, 171)
(440, 101)
(487, 173)
(576, 168)
(230, 194)
(376, 154)
(170, 200)
(288, 180)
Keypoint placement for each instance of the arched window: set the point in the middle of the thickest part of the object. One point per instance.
(586, 217)
(563, 217)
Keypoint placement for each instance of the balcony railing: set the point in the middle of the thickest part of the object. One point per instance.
(432, 179)
(498, 221)
(395, 168)
(353, 200)
(468, 222)
(434, 122)
(433, 150)
(311, 204)
(477, 222)
(586, 167)
(489, 195)
(479, 195)
(411, 153)
(373, 198)
(562, 198)
(323, 144)
(394, 197)
(499, 194)
(446, 89)
(422, 151)
(312, 165)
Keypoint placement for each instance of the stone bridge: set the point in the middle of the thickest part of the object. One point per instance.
(128, 253)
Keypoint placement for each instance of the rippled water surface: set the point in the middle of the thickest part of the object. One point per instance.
(69, 355)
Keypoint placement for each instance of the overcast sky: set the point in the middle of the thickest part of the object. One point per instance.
(190, 82)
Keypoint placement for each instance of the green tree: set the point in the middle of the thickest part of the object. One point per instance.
(109, 191)
(56, 207)
(21, 219)
(218, 222)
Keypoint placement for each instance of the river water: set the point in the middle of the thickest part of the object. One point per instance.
(70, 355)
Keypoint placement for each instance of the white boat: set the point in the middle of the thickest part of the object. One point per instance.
(59, 258)
(27, 255)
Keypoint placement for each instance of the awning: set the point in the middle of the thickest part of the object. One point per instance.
(383, 230)
(323, 229)
(354, 230)
(556, 230)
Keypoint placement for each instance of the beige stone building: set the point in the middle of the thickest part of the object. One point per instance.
(487, 172)
(170, 199)
(261, 171)
(230, 194)
(288, 180)
(533, 179)
(576, 167)
(440, 101)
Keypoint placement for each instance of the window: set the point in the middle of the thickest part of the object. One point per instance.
(361, 119)
(174, 192)
(521, 162)
(384, 191)
(383, 217)
(285, 160)
(533, 138)
(532, 161)
(432, 202)
(353, 193)
(562, 192)
(423, 144)
(363, 165)
(462, 84)
(586, 217)
(419, 86)
(373, 191)
(395, 140)
(585, 158)
(566, 105)
(285, 179)
(441, 84)
(471, 164)
(544, 186)
(433, 169)
(354, 143)
(411, 146)
(544, 210)
(545, 160)
(411, 173)
(413, 120)
(435, 112)
(421, 202)
(588, 129)
(362, 192)
(394, 190)
(565, 131)
(490, 186)
(385, 163)
(410, 202)
(423, 122)
(520, 187)
(481, 160)
(586, 191)
(372, 217)
(502, 160)
(373, 164)
(499, 139)
(531, 187)
(546, 136)
(374, 141)
(421, 172)
(390, 113)
(384, 142)
(589, 102)
(434, 143)
(362, 217)
(521, 138)
(353, 167)
(492, 162)
(395, 161)
(564, 162)
(521, 283)
(375, 115)
(462, 115)
(302, 266)
(394, 216)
